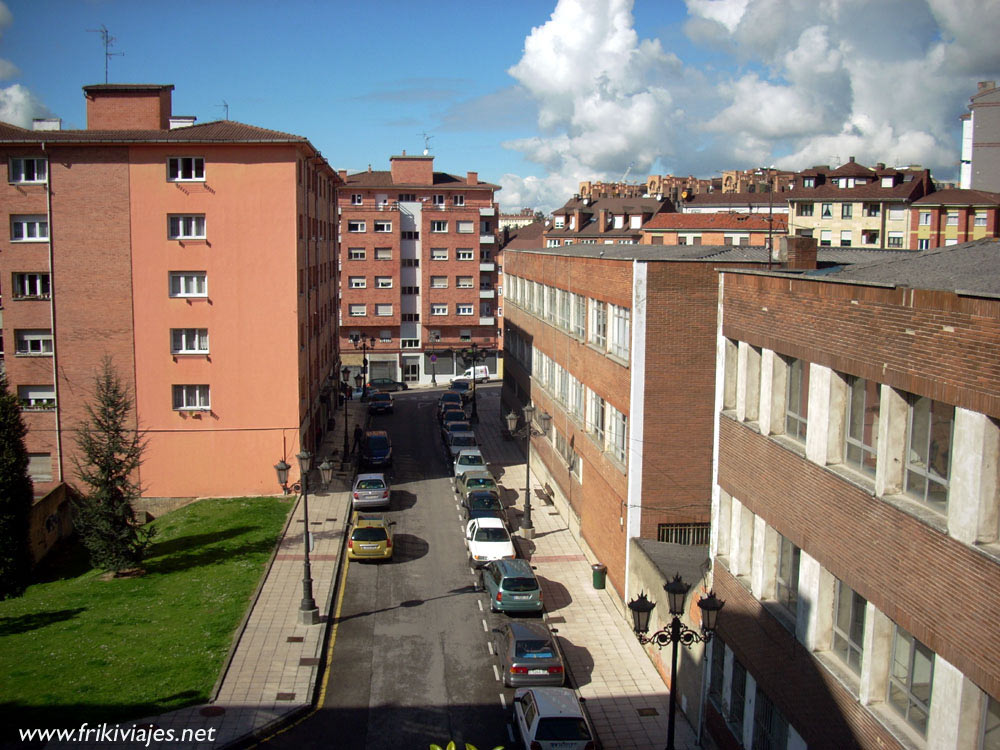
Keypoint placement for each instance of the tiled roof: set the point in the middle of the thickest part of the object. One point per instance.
(852, 169)
(220, 131)
(383, 178)
(735, 199)
(527, 236)
(629, 206)
(718, 221)
(872, 191)
(959, 197)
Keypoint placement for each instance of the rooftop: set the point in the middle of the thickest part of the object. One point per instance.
(383, 178)
(718, 221)
(219, 131)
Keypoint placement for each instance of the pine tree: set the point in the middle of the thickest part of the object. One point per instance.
(16, 497)
(111, 453)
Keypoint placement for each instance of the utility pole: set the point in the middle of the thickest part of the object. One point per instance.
(108, 41)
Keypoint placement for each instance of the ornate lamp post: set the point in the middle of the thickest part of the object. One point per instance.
(527, 432)
(364, 343)
(676, 632)
(473, 354)
(345, 376)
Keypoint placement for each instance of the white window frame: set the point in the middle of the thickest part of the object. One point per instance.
(185, 169)
(186, 227)
(439, 282)
(464, 253)
(979, 219)
(383, 227)
(33, 342)
(925, 218)
(29, 228)
(464, 309)
(191, 397)
(439, 253)
(619, 341)
(439, 309)
(924, 446)
(37, 397)
(465, 227)
(464, 282)
(383, 282)
(356, 253)
(951, 219)
(383, 309)
(439, 226)
(438, 199)
(618, 435)
(356, 226)
(897, 682)
(357, 199)
(383, 253)
(458, 200)
(596, 417)
(32, 285)
(187, 284)
(357, 282)
(357, 311)
(598, 328)
(189, 341)
(18, 171)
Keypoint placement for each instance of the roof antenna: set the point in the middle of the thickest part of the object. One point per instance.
(225, 108)
(427, 143)
(108, 40)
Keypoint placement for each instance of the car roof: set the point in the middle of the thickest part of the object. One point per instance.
(464, 433)
(370, 476)
(522, 629)
(364, 521)
(478, 474)
(515, 567)
(555, 701)
(470, 451)
(489, 522)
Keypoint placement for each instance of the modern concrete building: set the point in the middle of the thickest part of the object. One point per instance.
(981, 140)
(419, 270)
(855, 512)
(201, 258)
(951, 216)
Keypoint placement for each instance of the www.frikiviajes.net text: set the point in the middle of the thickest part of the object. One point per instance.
(135, 734)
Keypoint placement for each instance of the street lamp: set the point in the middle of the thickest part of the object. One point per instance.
(473, 354)
(345, 375)
(364, 343)
(527, 432)
(676, 632)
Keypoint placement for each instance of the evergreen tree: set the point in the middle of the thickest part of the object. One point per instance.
(111, 453)
(15, 496)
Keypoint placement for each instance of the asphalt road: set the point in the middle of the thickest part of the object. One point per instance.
(411, 663)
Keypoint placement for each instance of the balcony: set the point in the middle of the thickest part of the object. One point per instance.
(487, 266)
(487, 294)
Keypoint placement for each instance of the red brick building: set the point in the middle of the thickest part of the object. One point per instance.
(714, 229)
(856, 514)
(951, 216)
(172, 249)
(418, 260)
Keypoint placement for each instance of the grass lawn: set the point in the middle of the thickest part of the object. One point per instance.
(77, 648)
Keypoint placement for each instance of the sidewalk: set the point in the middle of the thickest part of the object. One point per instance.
(622, 691)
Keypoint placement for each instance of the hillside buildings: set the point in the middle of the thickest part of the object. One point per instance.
(419, 270)
(173, 248)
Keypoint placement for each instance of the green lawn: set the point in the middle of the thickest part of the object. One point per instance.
(77, 648)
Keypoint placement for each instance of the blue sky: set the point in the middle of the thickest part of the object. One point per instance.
(534, 95)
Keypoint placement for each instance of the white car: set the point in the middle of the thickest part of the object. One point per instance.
(488, 539)
(551, 718)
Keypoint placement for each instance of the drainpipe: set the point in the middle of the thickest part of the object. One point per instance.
(52, 319)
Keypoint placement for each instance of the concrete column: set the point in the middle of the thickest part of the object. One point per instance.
(727, 680)
(892, 426)
(741, 540)
(814, 621)
(972, 495)
(956, 708)
(765, 559)
(773, 392)
(876, 653)
(827, 407)
(795, 741)
(748, 383)
(750, 700)
(729, 354)
(722, 513)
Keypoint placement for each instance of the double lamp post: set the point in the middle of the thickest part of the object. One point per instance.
(527, 432)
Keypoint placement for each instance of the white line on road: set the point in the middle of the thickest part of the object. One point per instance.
(480, 603)
(485, 628)
(489, 645)
(496, 672)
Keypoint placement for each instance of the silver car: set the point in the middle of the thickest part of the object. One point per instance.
(370, 491)
(529, 655)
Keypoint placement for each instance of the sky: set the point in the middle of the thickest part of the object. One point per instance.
(534, 95)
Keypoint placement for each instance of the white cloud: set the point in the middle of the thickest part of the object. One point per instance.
(7, 68)
(18, 106)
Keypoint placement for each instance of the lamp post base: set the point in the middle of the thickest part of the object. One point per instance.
(309, 616)
(528, 532)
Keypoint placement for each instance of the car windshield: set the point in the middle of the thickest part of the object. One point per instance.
(561, 729)
(369, 534)
(381, 397)
(533, 650)
(371, 484)
(491, 535)
(377, 444)
(480, 482)
(520, 583)
(463, 441)
(472, 460)
(484, 502)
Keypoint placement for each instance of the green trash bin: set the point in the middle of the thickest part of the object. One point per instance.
(600, 572)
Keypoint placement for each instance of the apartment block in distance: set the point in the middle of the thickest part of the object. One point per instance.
(201, 258)
(856, 514)
(419, 268)
(952, 216)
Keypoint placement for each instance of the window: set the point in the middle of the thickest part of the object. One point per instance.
(925, 218)
(989, 735)
(809, 182)
(356, 253)
(356, 199)
(410, 317)
(33, 342)
(562, 309)
(595, 417)
(186, 227)
(409, 290)
(576, 398)
(579, 315)
(458, 200)
(383, 253)
(407, 197)
(356, 226)
(825, 238)
(737, 699)
(861, 433)
(439, 253)
(439, 282)
(770, 728)
(598, 323)
(923, 244)
(464, 334)
(186, 169)
(797, 402)
(845, 238)
(26, 170)
(952, 219)
(29, 228)
(895, 239)
(438, 309)
(463, 282)
(928, 451)
(383, 310)
(897, 214)
(620, 331)
(383, 226)
(358, 282)
(464, 253)
(188, 284)
(786, 579)
(848, 625)
(438, 199)
(617, 435)
(439, 226)
(980, 219)
(31, 285)
(357, 311)
(37, 397)
(911, 673)
(826, 212)
(550, 303)
(872, 210)
(410, 263)
(804, 209)
(40, 467)
(409, 234)
(690, 534)
(846, 210)
(408, 343)
(716, 672)
(466, 227)
(463, 310)
(383, 282)
(192, 397)
(558, 221)
(188, 340)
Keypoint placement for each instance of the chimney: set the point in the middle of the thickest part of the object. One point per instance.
(127, 106)
(986, 85)
(472, 178)
(46, 123)
(342, 174)
(602, 219)
(182, 121)
(798, 253)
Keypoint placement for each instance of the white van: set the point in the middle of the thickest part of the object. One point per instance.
(479, 373)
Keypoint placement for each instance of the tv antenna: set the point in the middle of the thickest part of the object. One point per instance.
(225, 108)
(108, 41)
(427, 143)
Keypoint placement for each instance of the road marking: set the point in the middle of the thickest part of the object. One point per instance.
(480, 603)
(496, 672)
(489, 645)
(485, 629)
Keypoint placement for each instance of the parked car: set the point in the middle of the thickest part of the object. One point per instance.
(387, 384)
(512, 587)
(370, 491)
(468, 459)
(488, 539)
(458, 441)
(450, 399)
(463, 388)
(376, 450)
(529, 654)
(483, 504)
(551, 717)
(371, 538)
(470, 481)
(380, 403)
(450, 425)
(479, 373)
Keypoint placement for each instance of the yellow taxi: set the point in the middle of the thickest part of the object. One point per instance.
(371, 538)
